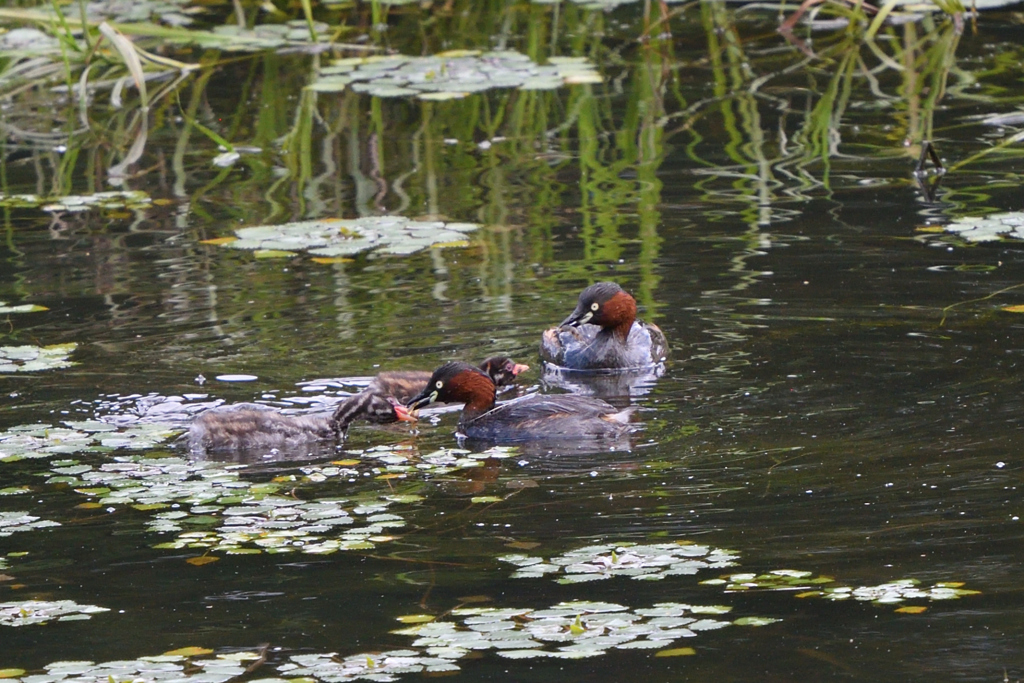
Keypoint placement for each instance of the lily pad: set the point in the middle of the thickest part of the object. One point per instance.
(451, 75)
(35, 358)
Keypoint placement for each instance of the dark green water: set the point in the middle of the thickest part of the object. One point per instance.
(843, 396)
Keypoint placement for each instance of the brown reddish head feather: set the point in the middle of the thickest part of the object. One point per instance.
(618, 313)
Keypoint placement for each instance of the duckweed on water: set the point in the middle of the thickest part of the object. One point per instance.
(451, 75)
(11, 522)
(333, 238)
(29, 612)
(89, 436)
(810, 586)
(642, 562)
(35, 358)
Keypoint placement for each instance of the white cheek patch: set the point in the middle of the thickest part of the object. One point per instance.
(586, 318)
(433, 396)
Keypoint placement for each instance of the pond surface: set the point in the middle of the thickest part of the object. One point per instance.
(842, 401)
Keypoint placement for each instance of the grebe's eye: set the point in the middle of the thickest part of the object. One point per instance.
(438, 384)
(594, 306)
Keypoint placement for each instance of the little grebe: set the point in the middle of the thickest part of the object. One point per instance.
(603, 334)
(536, 416)
(373, 404)
(248, 426)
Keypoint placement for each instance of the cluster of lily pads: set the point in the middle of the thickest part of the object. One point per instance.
(809, 586)
(378, 666)
(284, 525)
(116, 199)
(87, 436)
(22, 521)
(249, 517)
(451, 75)
(29, 612)
(269, 36)
(183, 666)
(13, 521)
(28, 358)
(569, 630)
(400, 461)
(644, 562)
(337, 238)
(990, 228)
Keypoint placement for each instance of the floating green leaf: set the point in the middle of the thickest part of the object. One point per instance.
(24, 308)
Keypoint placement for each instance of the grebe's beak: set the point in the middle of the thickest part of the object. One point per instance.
(578, 317)
(401, 412)
(424, 399)
(518, 368)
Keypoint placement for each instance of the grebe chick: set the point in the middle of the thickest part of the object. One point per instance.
(602, 333)
(251, 426)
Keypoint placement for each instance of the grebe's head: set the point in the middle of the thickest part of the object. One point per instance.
(502, 370)
(605, 304)
(456, 382)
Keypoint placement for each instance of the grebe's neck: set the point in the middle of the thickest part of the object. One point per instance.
(475, 389)
(619, 312)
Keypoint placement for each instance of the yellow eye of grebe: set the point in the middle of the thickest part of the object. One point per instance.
(594, 306)
(438, 384)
